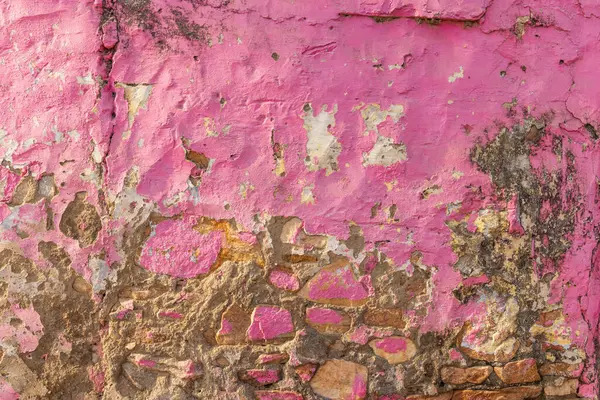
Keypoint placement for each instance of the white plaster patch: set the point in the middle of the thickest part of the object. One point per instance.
(322, 147)
(97, 154)
(85, 80)
(457, 75)
(101, 274)
(137, 96)
(373, 115)
(307, 196)
(385, 152)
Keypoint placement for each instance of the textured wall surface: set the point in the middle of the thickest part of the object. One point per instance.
(285, 200)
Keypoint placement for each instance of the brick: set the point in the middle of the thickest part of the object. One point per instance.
(459, 376)
(277, 395)
(513, 393)
(523, 371)
(561, 369)
(385, 317)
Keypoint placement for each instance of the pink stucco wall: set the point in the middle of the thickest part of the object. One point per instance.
(449, 144)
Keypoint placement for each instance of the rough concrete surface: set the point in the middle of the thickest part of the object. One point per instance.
(286, 200)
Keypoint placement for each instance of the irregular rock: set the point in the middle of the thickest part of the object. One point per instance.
(442, 396)
(81, 221)
(306, 371)
(192, 254)
(24, 192)
(340, 379)
(561, 387)
(277, 395)
(459, 376)
(490, 336)
(179, 369)
(561, 369)
(290, 230)
(322, 147)
(512, 393)
(139, 377)
(260, 377)
(234, 324)
(523, 371)
(22, 379)
(327, 321)
(284, 279)
(384, 317)
(394, 349)
(273, 358)
(336, 284)
(270, 323)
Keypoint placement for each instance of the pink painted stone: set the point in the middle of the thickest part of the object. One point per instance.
(261, 377)
(318, 315)
(270, 323)
(6, 391)
(277, 395)
(362, 333)
(326, 320)
(284, 279)
(273, 358)
(336, 284)
(170, 314)
(394, 349)
(306, 371)
(176, 249)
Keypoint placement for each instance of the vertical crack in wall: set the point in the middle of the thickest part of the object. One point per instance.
(109, 31)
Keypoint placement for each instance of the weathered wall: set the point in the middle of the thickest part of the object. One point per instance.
(283, 200)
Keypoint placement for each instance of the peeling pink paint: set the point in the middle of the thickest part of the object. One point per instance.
(453, 67)
(191, 254)
(336, 283)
